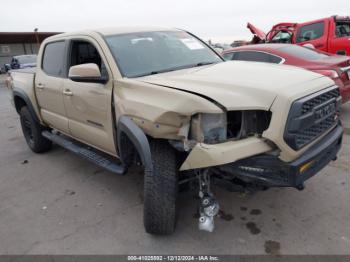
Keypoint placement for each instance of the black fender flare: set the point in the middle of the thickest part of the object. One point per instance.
(138, 138)
(22, 95)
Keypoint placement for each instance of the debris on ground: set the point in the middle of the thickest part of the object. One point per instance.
(69, 192)
(254, 230)
(255, 212)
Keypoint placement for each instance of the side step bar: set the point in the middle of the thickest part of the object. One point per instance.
(99, 158)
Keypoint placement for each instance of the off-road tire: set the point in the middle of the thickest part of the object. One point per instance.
(160, 190)
(32, 132)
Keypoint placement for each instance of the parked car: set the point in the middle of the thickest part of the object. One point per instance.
(164, 99)
(334, 66)
(330, 34)
(23, 61)
(6, 68)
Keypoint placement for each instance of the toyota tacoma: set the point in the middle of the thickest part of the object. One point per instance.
(162, 98)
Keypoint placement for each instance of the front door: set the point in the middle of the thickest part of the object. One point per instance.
(314, 34)
(340, 38)
(88, 105)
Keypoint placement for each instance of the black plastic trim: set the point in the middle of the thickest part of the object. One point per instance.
(21, 94)
(277, 173)
(98, 80)
(296, 121)
(138, 138)
(93, 155)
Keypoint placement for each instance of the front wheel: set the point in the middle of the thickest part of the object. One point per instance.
(32, 132)
(160, 190)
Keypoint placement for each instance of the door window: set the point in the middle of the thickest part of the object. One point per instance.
(83, 52)
(257, 57)
(53, 58)
(342, 29)
(310, 32)
(282, 37)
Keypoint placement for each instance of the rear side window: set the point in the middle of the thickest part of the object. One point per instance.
(342, 29)
(310, 32)
(228, 56)
(53, 58)
(256, 57)
(304, 53)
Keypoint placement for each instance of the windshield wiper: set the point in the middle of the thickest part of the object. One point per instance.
(175, 68)
(205, 63)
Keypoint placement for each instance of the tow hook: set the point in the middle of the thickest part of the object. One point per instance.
(209, 207)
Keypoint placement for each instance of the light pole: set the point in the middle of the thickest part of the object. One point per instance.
(37, 36)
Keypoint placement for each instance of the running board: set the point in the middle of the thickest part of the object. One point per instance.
(101, 159)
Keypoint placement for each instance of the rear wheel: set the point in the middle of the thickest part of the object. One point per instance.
(160, 190)
(32, 132)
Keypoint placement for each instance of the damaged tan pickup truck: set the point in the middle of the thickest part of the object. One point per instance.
(163, 99)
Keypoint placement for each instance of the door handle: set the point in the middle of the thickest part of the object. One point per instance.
(319, 45)
(40, 86)
(67, 92)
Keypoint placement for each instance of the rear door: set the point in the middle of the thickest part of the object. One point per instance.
(49, 85)
(339, 42)
(89, 104)
(314, 33)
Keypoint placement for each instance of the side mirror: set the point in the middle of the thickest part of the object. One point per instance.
(89, 73)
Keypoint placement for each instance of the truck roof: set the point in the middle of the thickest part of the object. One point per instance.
(114, 31)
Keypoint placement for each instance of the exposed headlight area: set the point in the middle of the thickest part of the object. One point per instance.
(242, 124)
(233, 125)
(209, 128)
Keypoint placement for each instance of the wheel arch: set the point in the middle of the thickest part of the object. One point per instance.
(20, 99)
(127, 128)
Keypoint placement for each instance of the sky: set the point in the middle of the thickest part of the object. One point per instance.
(220, 20)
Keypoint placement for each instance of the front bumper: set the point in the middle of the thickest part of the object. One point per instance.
(270, 171)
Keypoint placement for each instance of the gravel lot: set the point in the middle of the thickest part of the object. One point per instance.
(57, 203)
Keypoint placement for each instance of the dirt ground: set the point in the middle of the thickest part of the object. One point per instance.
(57, 203)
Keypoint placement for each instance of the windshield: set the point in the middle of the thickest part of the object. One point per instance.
(303, 52)
(26, 59)
(146, 53)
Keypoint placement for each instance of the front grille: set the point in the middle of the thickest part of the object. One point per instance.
(318, 100)
(311, 116)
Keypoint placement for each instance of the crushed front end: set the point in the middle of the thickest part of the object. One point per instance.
(313, 119)
(239, 150)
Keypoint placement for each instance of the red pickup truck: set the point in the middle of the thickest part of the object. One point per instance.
(330, 34)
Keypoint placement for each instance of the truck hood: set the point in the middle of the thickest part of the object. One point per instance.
(256, 31)
(238, 84)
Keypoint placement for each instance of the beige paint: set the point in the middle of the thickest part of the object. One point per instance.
(159, 111)
(280, 111)
(84, 70)
(88, 105)
(204, 155)
(162, 104)
(239, 85)
(49, 94)
(25, 80)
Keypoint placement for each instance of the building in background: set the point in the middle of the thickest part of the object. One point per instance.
(20, 43)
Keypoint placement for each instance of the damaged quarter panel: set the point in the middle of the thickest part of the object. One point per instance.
(160, 112)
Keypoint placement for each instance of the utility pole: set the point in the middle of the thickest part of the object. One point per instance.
(37, 37)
